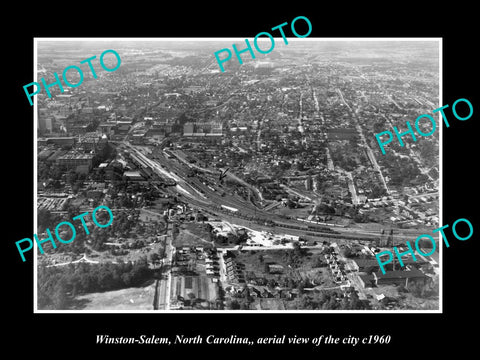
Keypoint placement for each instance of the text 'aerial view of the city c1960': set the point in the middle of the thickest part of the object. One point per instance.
(260, 188)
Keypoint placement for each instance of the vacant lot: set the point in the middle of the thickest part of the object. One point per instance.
(150, 216)
(296, 213)
(193, 234)
(140, 298)
(131, 254)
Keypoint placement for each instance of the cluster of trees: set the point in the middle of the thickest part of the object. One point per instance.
(231, 239)
(401, 170)
(48, 220)
(57, 286)
(127, 188)
(319, 261)
(47, 171)
(344, 160)
(342, 210)
(237, 304)
(327, 300)
(295, 256)
(428, 151)
(377, 191)
(380, 125)
(124, 225)
(98, 239)
(240, 300)
(420, 290)
(45, 219)
(324, 209)
(72, 177)
(105, 153)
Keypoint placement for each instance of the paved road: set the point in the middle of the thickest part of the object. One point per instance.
(162, 286)
(169, 251)
(351, 186)
(165, 284)
(370, 153)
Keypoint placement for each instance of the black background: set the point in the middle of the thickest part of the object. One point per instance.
(63, 335)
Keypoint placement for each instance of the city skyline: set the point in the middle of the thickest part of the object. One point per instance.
(307, 199)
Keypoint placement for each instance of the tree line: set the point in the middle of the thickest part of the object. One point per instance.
(58, 286)
(329, 300)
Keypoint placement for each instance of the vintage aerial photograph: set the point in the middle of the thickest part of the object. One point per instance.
(261, 188)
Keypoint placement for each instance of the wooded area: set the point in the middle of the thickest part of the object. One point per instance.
(58, 286)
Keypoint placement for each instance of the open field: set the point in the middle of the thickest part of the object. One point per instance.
(295, 213)
(132, 254)
(192, 234)
(134, 298)
(151, 215)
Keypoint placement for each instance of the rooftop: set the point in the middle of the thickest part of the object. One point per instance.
(77, 156)
(399, 274)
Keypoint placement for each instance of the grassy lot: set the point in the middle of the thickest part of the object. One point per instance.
(151, 215)
(319, 277)
(193, 234)
(132, 255)
(140, 298)
(296, 213)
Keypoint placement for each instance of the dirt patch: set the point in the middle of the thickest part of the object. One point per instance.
(140, 298)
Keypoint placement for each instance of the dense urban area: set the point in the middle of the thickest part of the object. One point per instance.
(258, 188)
